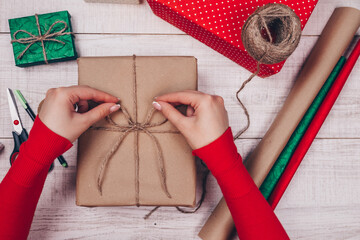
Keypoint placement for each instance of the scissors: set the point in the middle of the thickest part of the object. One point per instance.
(20, 134)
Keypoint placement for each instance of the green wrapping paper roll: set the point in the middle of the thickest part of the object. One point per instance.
(276, 171)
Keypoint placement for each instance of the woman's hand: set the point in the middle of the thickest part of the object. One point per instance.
(58, 114)
(206, 117)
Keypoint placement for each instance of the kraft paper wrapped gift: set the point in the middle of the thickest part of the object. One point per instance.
(127, 179)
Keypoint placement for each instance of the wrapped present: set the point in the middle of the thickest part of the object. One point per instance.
(42, 38)
(135, 156)
(114, 1)
(218, 24)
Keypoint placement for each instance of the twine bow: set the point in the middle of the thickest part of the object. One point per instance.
(41, 37)
(135, 127)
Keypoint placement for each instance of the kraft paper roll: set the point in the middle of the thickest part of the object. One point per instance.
(314, 127)
(279, 166)
(334, 39)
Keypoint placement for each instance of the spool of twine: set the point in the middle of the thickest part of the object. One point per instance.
(270, 35)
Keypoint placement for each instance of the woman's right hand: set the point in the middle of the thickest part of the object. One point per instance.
(58, 114)
(206, 117)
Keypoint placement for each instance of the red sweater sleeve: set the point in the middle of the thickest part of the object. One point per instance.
(253, 217)
(21, 188)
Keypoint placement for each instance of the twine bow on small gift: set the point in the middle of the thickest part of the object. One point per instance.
(48, 36)
(135, 127)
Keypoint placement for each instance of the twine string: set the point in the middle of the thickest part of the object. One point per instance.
(203, 194)
(136, 138)
(238, 134)
(48, 36)
(205, 174)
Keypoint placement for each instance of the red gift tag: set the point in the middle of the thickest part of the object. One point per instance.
(218, 24)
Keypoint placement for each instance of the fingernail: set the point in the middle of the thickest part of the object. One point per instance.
(115, 108)
(156, 105)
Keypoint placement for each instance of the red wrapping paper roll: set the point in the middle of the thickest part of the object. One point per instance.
(314, 128)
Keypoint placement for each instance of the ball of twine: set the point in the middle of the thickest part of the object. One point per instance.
(271, 33)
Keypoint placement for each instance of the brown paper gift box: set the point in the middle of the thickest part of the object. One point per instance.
(154, 76)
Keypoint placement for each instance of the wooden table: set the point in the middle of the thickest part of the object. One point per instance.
(322, 201)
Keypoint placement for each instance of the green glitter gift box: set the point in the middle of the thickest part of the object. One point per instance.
(42, 38)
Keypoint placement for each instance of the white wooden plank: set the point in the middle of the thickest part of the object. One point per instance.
(217, 75)
(321, 223)
(332, 172)
(322, 202)
(122, 18)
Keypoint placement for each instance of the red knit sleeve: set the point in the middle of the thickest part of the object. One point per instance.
(253, 217)
(21, 188)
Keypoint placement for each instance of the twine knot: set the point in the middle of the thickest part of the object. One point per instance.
(138, 127)
(48, 36)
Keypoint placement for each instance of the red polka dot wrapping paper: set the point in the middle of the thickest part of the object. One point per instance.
(218, 24)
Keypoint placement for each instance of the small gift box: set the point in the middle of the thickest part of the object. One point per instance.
(218, 24)
(42, 38)
(135, 156)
